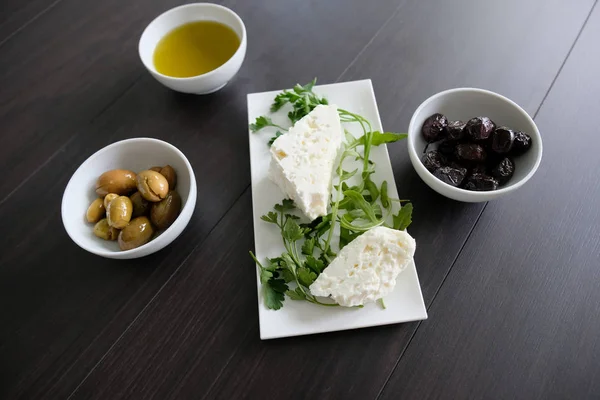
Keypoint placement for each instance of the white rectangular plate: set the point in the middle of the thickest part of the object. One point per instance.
(301, 317)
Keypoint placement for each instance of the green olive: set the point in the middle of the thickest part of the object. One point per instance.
(119, 212)
(141, 206)
(165, 212)
(108, 198)
(119, 181)
(170, 175)
(95, 211)
(152, 185)
(105, 231)
(137, 233)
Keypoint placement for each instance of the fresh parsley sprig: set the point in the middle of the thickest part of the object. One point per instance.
(290, 267)
(263, 122)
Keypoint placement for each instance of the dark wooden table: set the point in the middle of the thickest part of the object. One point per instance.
(512, 287)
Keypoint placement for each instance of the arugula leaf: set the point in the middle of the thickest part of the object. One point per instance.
(347, 175)
(263, 122)
(306, 276)
(386, 137)
(349, 137)
(271, 217)
(359, 202)
(292, 231)
(297, 294)
(404, 217)
(316, 265)
(385, 200)
(372, 188)
(274, 138)
(308, 247)
(286, 205)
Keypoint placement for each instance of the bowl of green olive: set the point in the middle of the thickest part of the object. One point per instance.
(130, 199)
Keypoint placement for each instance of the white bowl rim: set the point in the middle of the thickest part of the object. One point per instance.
(156, 241)
(478, 194)
(209, 73)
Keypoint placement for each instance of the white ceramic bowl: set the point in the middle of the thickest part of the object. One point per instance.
(166, 22)
(464, 104)
(135, 155)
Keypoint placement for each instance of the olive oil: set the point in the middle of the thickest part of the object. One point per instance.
(195, 48)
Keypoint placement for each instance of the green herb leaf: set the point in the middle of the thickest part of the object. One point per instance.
(292, 231)
(262, 122)
(305, 276)
(287, 275)
(347, 175)
(346, 236)
(278, 285)
(273, 292)
(381, 303)
(359, 201)
(274, 138)
(316, 265)
(286, 205)
(274, 264)
(265, 275)
(297, 294)
(349, 137)
(309, 86)
(372, 189)
(385, 200)
(386, 137)
(404, 217)
(271, 217)
(308, 247)
(288, 262)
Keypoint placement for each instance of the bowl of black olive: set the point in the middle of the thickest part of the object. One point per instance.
(473, 145)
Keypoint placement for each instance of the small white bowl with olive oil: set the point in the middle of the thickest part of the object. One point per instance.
(195, 48)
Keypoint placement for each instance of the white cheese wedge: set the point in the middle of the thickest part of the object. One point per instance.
(366, 269)
(302, 160)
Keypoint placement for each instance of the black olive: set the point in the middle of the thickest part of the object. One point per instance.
(434, 128)
(469, 152)
(451, 176)
(478, 169)
(480, 128)
(481, 182)
(504, 171)
(522, 143)
(502, 140)
(447, 147)
(433, 159)
(456, 130)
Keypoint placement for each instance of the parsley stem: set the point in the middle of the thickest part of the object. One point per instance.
(256, 260)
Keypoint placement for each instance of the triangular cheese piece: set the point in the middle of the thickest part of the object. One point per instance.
(366, 269)
(302, 160)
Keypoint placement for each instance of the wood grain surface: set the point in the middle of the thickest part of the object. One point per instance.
(518, 315)
(511, 286)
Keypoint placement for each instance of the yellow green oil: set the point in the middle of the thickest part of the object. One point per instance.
(195, 48)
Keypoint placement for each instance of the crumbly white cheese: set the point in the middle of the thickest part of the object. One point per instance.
(302, 160)
(366, 269)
